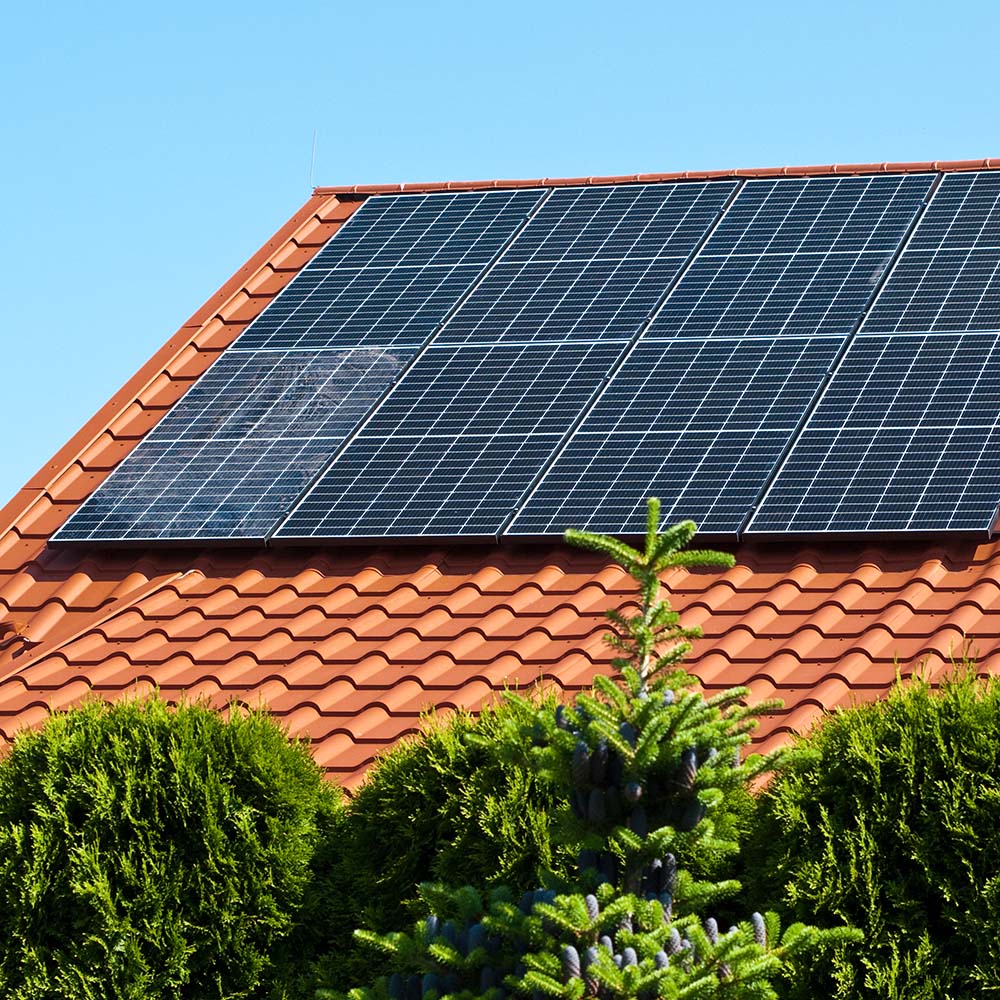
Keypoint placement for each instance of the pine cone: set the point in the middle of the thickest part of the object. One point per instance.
(570, 963)
(759, 929)
(688, 769)
(712, 930)
(593, 909)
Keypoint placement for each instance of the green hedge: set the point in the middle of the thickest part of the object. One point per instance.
(148, 852)
(888, 817)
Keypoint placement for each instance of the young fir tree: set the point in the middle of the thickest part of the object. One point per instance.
(648, 760)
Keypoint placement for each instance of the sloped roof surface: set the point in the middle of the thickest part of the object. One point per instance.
(348, 646)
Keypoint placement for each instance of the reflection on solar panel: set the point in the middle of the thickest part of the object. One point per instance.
(698, 423)
(904, 438)
(237, 451)
(467, 429)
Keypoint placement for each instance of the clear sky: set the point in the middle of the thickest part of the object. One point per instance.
(149, 149)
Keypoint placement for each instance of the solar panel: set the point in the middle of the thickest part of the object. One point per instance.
(698, 423)
(240, 447)
(904, 438)
(513, 368)
(592, 263)
(948, 277)
(393, 272)
(456, 444)
(801, 257)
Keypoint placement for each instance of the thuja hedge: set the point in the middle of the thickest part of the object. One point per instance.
(887, 817)
(150, 852)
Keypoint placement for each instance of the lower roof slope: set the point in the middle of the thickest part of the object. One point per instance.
(349, 646)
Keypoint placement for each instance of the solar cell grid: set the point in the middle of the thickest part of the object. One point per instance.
(705, 385)
(467, 227)
(509, 389)
(430, 486)
(911, 381)
(903, 438)
(821, 215)
(964, 213)
(199, 490)
(601, 483)
(621, 222)
(901, 479)
(698, 423)
(794, 294)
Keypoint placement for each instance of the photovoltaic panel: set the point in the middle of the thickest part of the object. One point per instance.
(240, 447)
(591, 264)
(801, 257)
(797, 294)
(948, 277)
(237, 450)
(456, 444)
(700, 424)
(904, 438)
(393, 272)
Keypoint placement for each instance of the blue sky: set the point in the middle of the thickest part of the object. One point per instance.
(150, 149)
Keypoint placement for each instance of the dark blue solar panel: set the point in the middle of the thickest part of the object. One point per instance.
(456, 444)
(380, 306)
(821, 215)
(593, 263)
(801, 257)
(738, 399)
(393, 272)
(391, 487)
(417, 230)
(797, 295)
(904, 438)
(947, 290)
(601, 483)
(948, 277)
(963, 214)
(899, 479)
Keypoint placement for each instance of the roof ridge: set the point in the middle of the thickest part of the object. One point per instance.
(832, 169)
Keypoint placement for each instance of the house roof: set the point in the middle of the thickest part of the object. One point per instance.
(349, 645)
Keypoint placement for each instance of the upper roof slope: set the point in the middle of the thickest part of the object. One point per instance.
(349, 646)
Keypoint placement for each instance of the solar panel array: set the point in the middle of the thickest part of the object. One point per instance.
(769, 356)
(715, 388)
(905, 436)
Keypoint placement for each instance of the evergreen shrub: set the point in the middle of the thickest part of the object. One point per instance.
(888, 816)
(150, 852)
